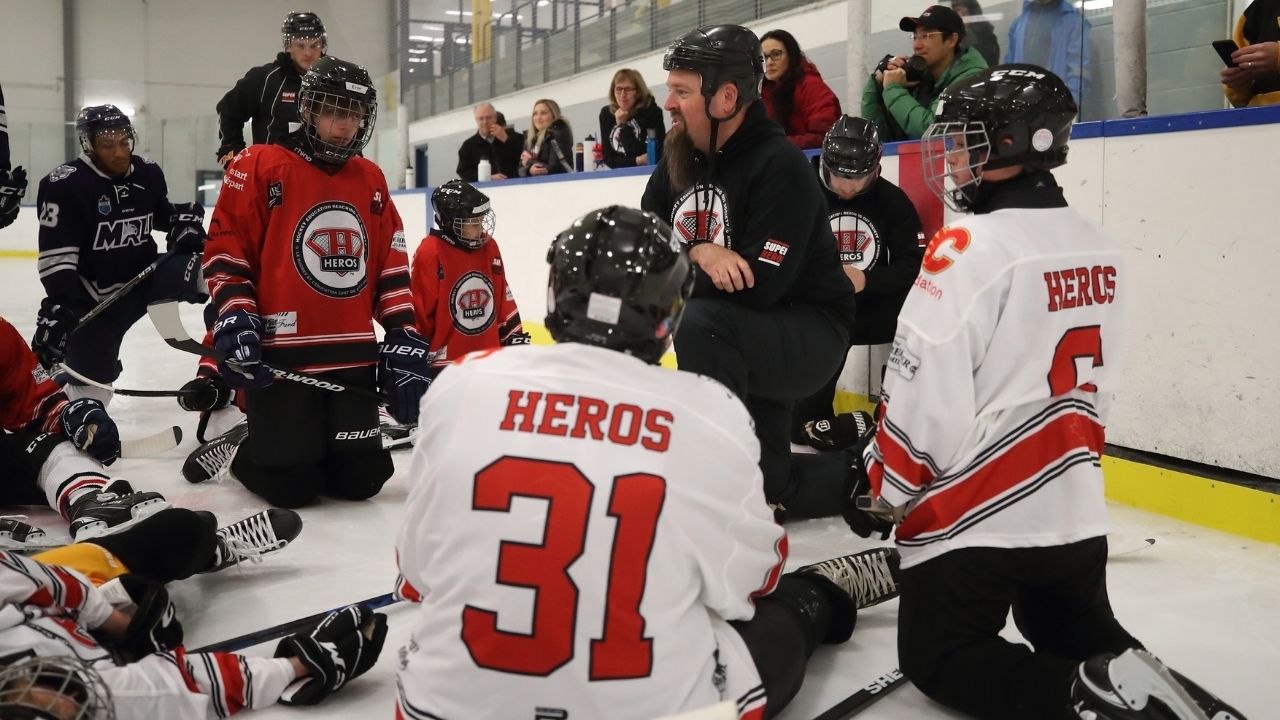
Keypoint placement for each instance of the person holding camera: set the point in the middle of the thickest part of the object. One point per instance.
(900, 96)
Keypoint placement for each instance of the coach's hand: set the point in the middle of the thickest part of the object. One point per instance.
(727, 269)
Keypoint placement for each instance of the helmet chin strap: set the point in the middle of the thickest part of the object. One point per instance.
(711, 164)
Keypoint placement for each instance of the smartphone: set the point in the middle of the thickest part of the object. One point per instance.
(1225, 48)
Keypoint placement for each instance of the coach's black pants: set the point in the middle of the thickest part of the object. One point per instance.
(953, 607)
(305, 442)
(770, 359)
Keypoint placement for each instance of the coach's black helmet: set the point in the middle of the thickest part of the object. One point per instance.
(618, 280)
(464, 217)
(302, 25)
(1017, 114)
(95, 119)
(337, 88)
(720, 54)
(851, 149)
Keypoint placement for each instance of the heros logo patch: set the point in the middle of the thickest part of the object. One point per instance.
(774, 252)
(701, 215)
(472, 303)
(330, 250)
(857, 239)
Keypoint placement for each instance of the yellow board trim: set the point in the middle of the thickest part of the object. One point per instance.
(19, 253)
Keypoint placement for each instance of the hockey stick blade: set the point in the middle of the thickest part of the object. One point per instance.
(121, 391)
(275, 632)
(861, 699)
(152, 445)
(1129, 548)
(164, 315)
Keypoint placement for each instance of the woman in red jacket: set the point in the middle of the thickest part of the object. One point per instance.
(794, 94)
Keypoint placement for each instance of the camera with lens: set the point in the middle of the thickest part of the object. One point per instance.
(916, 67)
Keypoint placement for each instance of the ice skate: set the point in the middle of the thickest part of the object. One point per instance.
(1134, 685)
(18, 536)
(214, 457)
(112, 509)
(869, 577)
(395, 435)
(255, 536)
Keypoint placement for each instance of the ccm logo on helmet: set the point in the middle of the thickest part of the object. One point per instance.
(998, 74)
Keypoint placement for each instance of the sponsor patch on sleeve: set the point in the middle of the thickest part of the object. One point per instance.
(902, 361)
(397, 241)
(774, 252)
(282, 323)
(39, 374)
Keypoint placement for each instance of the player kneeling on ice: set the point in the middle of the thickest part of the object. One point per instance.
(658, 577)
(96, 216)
(307, 251)
(84, 652)
(992, 429)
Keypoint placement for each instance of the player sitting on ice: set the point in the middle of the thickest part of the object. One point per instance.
(55, 450)
(96, 216)
(80, 652)
(646, 487)
(989, 444)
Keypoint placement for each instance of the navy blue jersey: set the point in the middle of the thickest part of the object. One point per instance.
(95, 231)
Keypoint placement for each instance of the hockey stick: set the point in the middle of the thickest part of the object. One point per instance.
(64, 368)
(152, 445)
(164, 315)
(864, 697)
(122, 291)
(275, 632)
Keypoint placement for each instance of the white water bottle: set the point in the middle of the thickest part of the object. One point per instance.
(484, 170)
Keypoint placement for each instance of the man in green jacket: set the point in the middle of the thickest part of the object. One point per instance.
(903, 109)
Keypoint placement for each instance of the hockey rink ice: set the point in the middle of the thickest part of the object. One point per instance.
(1206, 602)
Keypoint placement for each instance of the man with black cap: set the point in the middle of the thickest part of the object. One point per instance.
(771, 309)
(897, 101)
(268, 94)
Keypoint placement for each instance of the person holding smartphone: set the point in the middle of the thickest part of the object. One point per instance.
(1253, 76)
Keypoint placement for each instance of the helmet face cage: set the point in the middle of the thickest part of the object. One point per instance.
(953, 154)
(303, 25)
(95, 120)
(41, 687)
(474, 230)
(318, 103)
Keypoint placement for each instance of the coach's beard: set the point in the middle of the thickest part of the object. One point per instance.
(677, 151)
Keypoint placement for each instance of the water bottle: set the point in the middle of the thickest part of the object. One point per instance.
(651, 147)
(577, 157)
(484, 170)
(597, 154)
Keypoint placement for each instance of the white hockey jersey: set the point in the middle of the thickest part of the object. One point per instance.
(998, 385)
(580, 526)
(48, 611)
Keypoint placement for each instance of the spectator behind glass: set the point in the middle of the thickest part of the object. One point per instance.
(978, 31)
(1054, 35)
(492, 142)
(794, 94)
(548, 145)
(626, 121)
(903, 109)
(1256, 78)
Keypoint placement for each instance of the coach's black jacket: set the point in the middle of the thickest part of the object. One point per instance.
(269, 95)
(776, 219)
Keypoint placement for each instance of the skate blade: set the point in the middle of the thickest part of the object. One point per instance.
(1147, 679)
(141, 512)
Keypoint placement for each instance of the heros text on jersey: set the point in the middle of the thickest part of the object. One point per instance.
(579, 416)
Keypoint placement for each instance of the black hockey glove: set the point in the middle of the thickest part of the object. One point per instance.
(153, 625)
(204, 393)
(520, 338)
(87, 425)
(404, 374)
(13, 186)
(54, 322)
(239, 334)
(862, 523)
(343, 647)
(186, 229)
(840, 432)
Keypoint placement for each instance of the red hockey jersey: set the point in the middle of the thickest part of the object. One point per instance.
(461, 299)
(316, 255)
(29, 400)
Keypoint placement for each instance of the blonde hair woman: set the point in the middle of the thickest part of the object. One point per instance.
(625, 123)
(548, 144)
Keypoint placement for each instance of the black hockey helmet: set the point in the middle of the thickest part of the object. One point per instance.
(720, 54)
(618, 280)
(334, 86)
(851, 149)
(302, 24)
(1017, 114)
(101, 118)
(35, 687)
(463, 214)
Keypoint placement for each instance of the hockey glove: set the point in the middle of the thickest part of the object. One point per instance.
(343, 647)
(520, 338)
(204, 393)
(840, 432)
(404, 374)
(54, 322)
(186, 229)
(153, 625)
(239, 334)
(13, 186)
(862, 523)
(87, 425)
